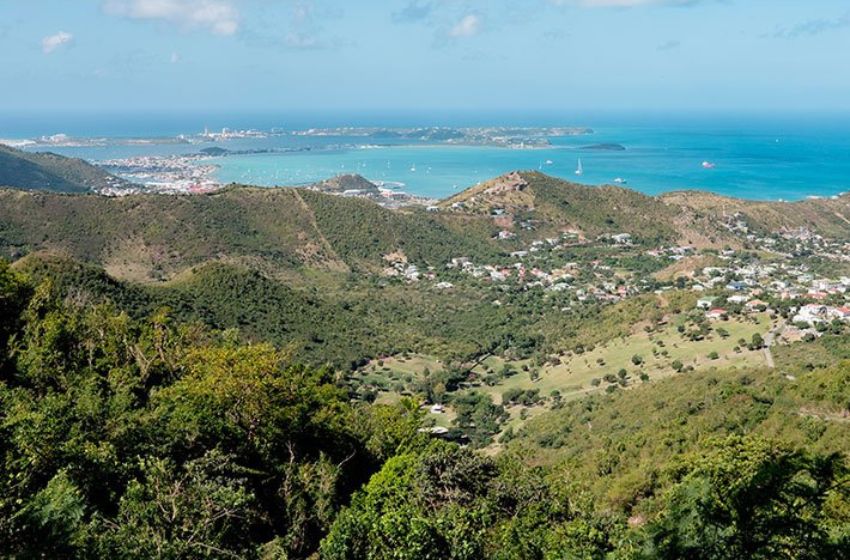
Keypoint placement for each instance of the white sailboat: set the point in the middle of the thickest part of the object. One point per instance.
(580, 168)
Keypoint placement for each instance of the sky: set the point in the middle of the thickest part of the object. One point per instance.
(402, 55)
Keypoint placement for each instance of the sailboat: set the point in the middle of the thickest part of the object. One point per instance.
(413, 168)
(579, 169)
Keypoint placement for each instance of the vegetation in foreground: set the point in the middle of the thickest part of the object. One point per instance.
(160, 439)
(152, 403)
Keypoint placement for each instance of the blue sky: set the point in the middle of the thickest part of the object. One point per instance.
(331, 55)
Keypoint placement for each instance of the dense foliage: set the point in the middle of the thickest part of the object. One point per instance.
(155, 438)
(128, 439)
(150, 237)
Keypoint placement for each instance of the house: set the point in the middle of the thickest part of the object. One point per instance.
(755, 305)
(458, 262)
(705, 303)
(813, 310)
(811, 314)
(842, 313)
(622, 238)
(716, 314)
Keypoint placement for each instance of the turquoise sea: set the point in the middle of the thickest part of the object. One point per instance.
(763, 158)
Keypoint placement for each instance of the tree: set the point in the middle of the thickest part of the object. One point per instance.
(677, 365)
(748, 498)
(52, 523)
(14, 294)
(420, 505)
(637, 360)
(478, 417)
(201, 511)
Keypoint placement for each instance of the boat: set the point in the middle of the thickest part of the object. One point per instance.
(708, 165)
(549, 162)
(413, 168)
(580, 168)
(620, 181)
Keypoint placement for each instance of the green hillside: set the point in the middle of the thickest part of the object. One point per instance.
(170, 417)
(624, 447)
(531, 200)
(126, 438)
(828, 216)
(51, 172)
(317, 320)
(149, 238)
(152, 237)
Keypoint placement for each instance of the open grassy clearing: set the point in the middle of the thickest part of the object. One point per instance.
(386, 372)
(579, 374)
(576, 372)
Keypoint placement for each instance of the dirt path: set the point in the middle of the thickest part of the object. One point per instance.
(769, 340)
(326, 245)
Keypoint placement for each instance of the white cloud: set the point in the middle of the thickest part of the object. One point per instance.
(53, 42)
(468, 26)
(815, 27)
(218, 16)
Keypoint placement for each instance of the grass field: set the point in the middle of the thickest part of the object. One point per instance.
(575, 373)
(574, 376)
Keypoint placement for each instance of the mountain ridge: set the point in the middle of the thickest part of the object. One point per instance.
(151, 237)
(52, 172)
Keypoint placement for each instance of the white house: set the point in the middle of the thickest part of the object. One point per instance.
(705, 303)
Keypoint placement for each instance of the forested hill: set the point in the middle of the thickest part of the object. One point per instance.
(154, 237)
(530, 198)
(52, 172)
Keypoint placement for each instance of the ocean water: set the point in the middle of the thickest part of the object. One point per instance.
(767, 158)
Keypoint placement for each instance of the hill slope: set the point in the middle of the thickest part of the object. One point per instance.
(520, 201)
(154, 237)
(335, 322)
(628, 442)
(829, 217)
(51, 172)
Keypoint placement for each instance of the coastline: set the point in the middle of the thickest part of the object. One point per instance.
(653, 161)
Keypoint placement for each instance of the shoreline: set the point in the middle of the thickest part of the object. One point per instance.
(649, 161)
